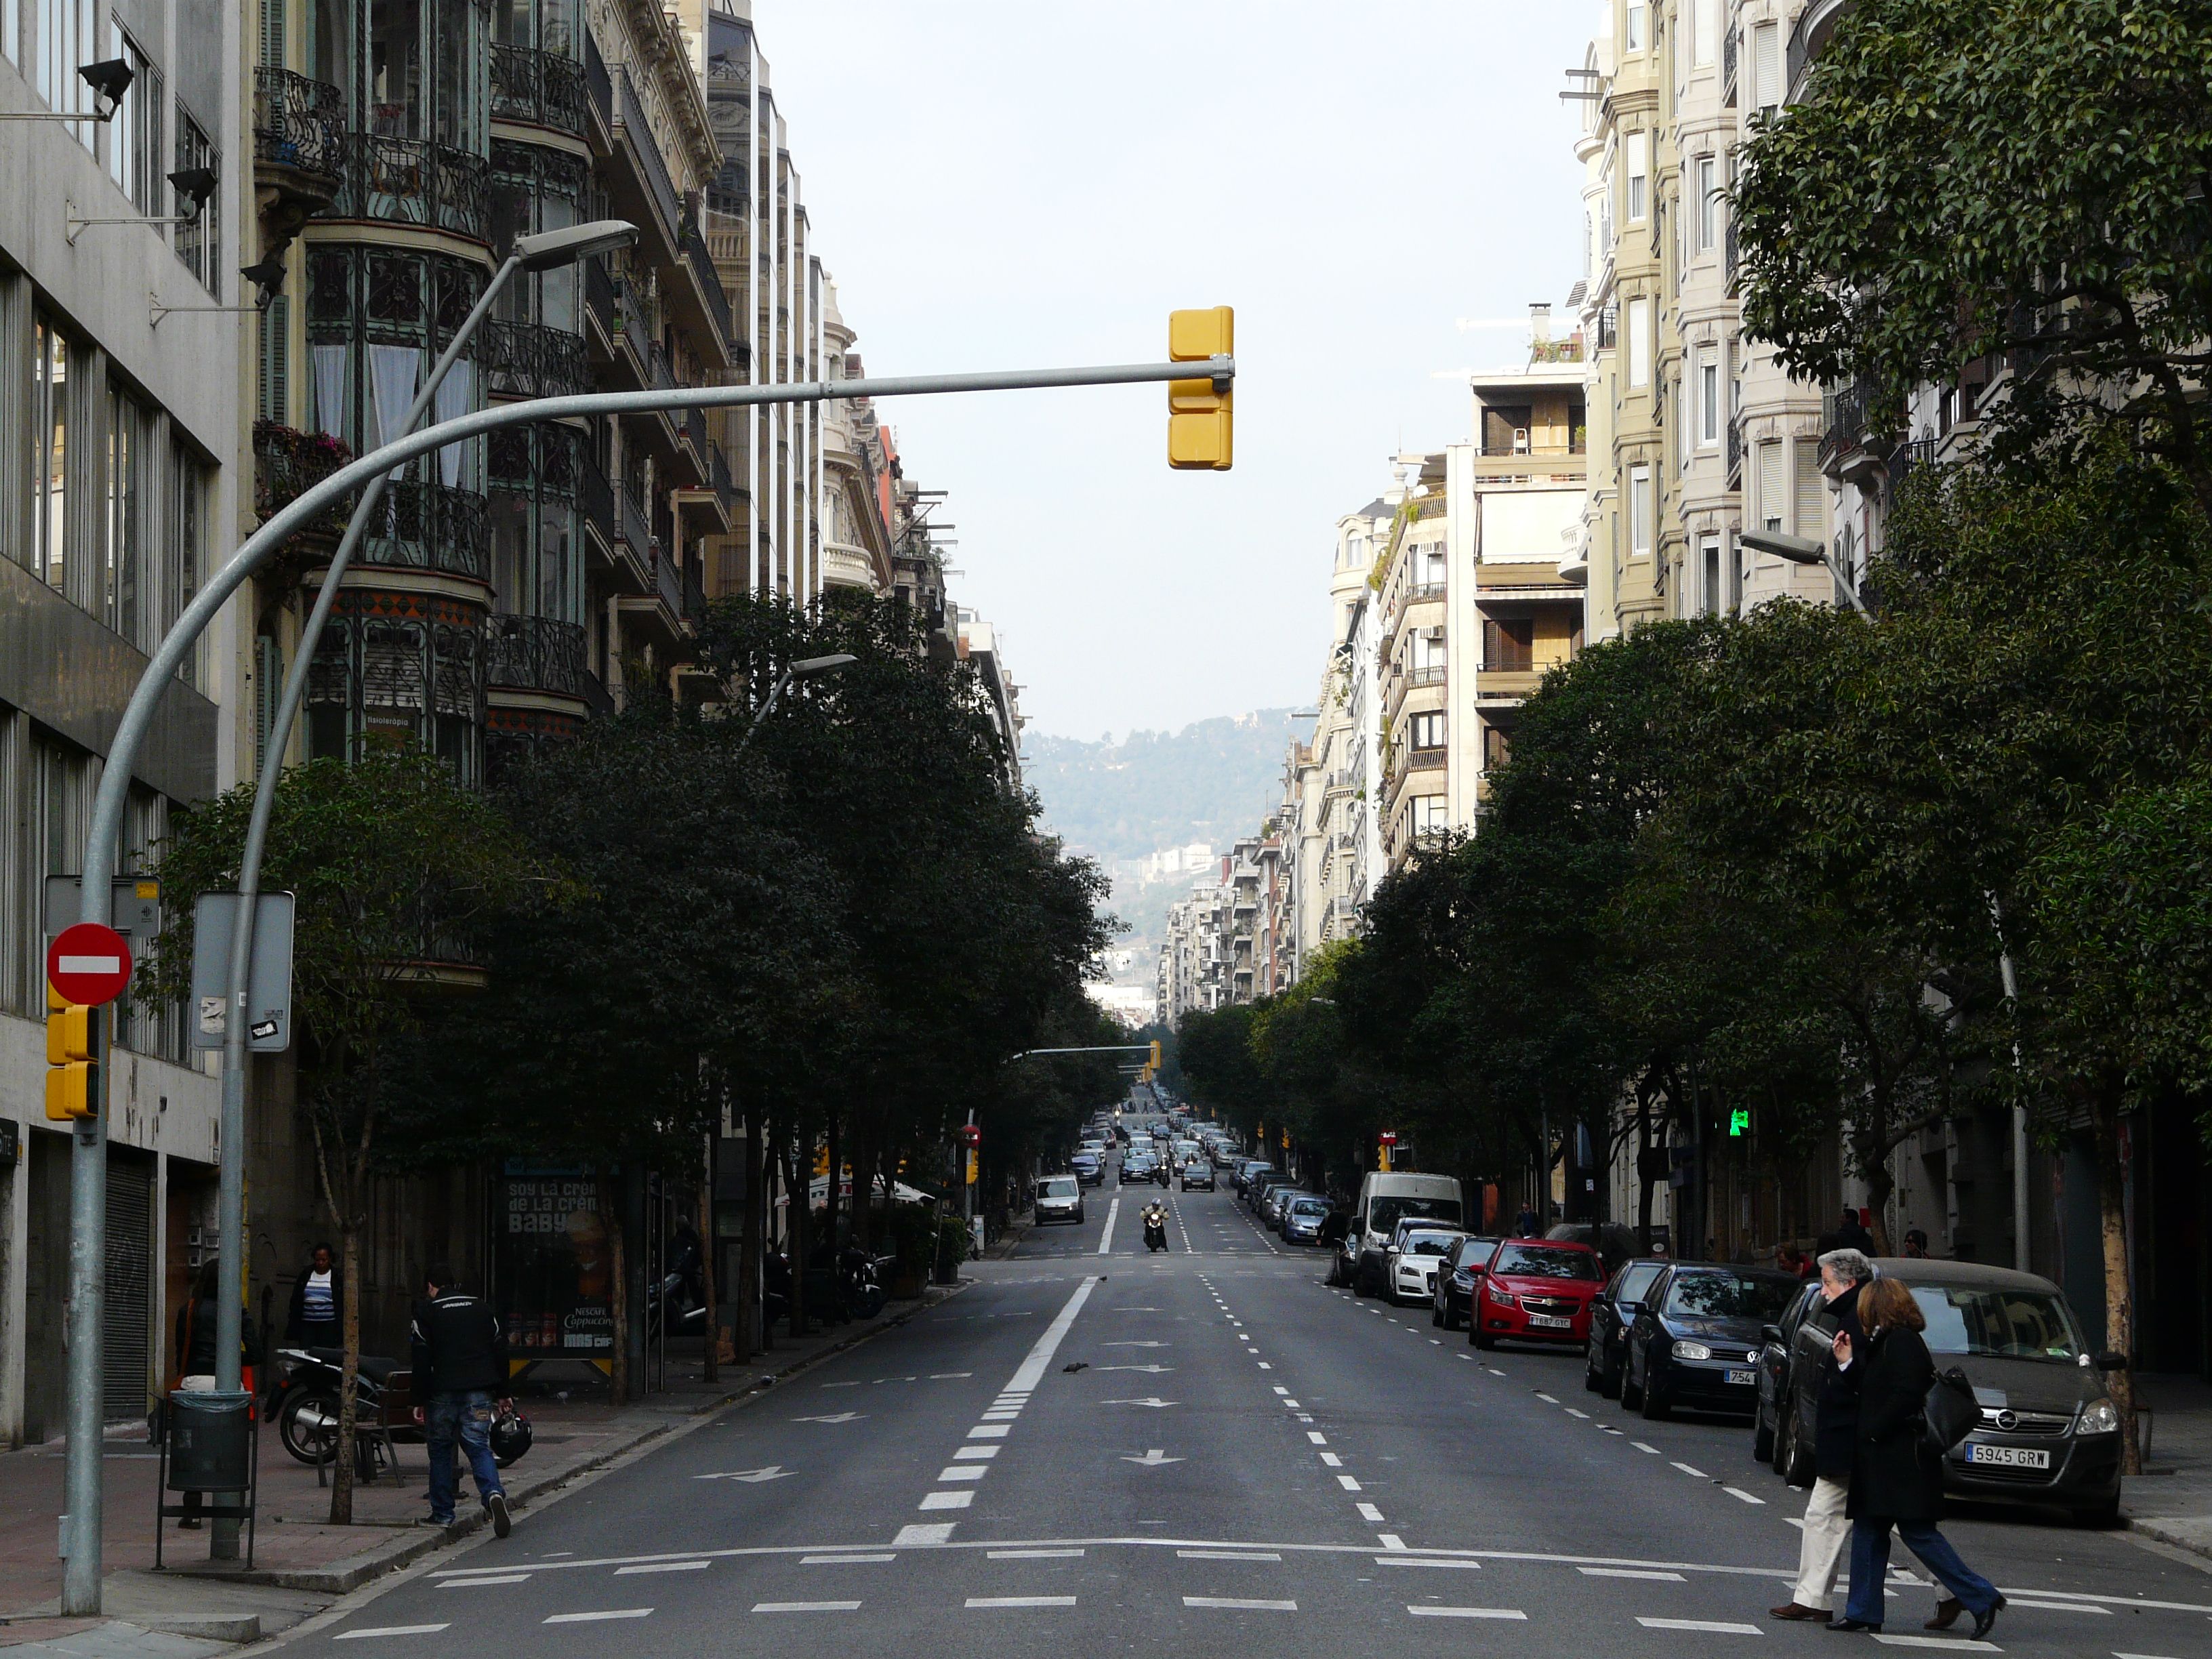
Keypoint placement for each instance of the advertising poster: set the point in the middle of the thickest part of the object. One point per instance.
(555, 1264)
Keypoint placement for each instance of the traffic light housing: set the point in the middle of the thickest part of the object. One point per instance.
(1200, 413)
(1155, 1061)
(72, 1059)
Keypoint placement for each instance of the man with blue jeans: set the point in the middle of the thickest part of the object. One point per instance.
(460, 1355)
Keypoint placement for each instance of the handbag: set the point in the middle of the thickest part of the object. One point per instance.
(1950, 1412)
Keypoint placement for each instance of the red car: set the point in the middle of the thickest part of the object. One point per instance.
(1537, 1290)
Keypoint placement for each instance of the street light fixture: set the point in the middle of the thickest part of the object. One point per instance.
(547, 250)
(1800, 550)
(805, 668)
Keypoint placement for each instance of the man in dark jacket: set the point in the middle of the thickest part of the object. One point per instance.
(460, 1355)
(1835, 1431)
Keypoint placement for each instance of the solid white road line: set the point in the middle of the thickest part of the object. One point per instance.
(2056, 1606)
(1467, 1613)
(806, 1607)
(496, 1578)
(1039, 1358)
(388, 1630)
(663, 1566)
(1631, 1572)
(1106, 1236)
(1228, 1555)
(597, 1618)
(1021, 1600)
(1239, 1604)
(1718, 1626)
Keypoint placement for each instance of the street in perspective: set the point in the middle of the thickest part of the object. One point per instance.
(744, 940)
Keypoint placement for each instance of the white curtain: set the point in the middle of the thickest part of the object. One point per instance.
(456, 395)
(393, 373)
(330, 389)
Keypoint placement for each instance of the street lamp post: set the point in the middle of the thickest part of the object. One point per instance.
(805, 668)
(81, 1586)
(1800, 550)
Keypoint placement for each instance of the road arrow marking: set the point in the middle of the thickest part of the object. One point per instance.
(1153, 1400)
(1153, 1369)
(1151, 1460)
(840, 1417)
(773, 1472)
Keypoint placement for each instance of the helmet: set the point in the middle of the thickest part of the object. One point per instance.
(510, 1437)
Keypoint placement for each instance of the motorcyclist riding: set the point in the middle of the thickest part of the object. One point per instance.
(1156, 1225)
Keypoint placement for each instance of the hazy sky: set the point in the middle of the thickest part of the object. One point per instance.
(1021, 183)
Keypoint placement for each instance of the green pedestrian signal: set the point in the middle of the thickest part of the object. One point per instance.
(1740, 1121)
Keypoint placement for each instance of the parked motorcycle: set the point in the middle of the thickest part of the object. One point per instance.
(303, 1402)
(860, 1282)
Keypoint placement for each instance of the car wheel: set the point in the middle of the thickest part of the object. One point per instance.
(1762, 1437)
(1593, 1377)
(2106, 1514)
(1436, 1314)
(1610, 1387)
(1652, 1403)
(1632, 1396)
(1481, 1340)
(1789, 1459)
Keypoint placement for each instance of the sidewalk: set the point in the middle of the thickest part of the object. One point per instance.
(2171, 1500)
(301, 1562)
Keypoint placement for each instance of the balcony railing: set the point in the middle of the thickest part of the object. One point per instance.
(598, 85)
(1731, 254)
(1729, 49)
(287, 463)
(299, 124)
(694, 601)
(532, 360)
(1420, 591)
(542, 88)
(1910, 458)
(695, 433)
(1847, 410)
(534, 653)
(1428, 674)
(629, 115)
(600, 295)
(1734, 443)
(696, 255)
(431, 526)
(631, 524)
(1425, 760)
(668, 582)
(718, 475)
(595, 497)
(411, 181)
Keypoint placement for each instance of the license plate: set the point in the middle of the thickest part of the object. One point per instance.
(2009, 1457)
(1742, 1374)
(1551, 1322)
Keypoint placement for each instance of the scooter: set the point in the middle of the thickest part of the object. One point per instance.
(858, 1283)
(1155, 1232)
(304, 1403)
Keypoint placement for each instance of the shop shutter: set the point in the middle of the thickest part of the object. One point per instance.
(124, 1390)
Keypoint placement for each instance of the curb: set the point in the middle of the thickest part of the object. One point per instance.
(2164, 1530)
(343, 1580)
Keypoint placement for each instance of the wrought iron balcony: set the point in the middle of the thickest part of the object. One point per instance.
(702, 264)
(598, 85)
(600, 295)
(287, 463)
(531, 360)
(1734, 444)
(534, 653)
(299, 124)
(1850, 414)
(595, 499)
(411, 181)
(428, 525)
(718, 475)
(629, 116)
(1729, 51)
(544, 89)
(633, 527)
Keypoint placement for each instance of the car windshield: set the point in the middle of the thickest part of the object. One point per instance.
(1546, 1261)
(1084, 1157)
(1636, 1278)
(1060, 1187)
(1309, 1206)
(1384, 1214)
(1729, 1296)
(1478, 1252)
(1430, 1243)
(2017, 1324)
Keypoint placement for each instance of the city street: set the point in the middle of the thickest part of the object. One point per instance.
(1094, 1449)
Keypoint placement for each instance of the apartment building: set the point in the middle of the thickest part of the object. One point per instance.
(977, 645)
(1194, 972)
(855, 510)
(123, 401)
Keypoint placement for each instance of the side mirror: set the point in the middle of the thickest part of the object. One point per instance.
(1771, 1333)
(1389, 1249)
(2111, 1361)
(1629, 1310)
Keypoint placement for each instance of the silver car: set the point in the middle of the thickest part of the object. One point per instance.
(1059, 1198)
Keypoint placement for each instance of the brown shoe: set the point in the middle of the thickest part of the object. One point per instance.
(1793, 1611)
(1947, 1615)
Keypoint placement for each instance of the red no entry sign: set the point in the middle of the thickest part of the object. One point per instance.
(88, 964)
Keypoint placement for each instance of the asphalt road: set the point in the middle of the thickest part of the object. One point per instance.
(1208, 1451)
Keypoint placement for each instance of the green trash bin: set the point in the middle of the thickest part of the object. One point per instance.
(210, 1442)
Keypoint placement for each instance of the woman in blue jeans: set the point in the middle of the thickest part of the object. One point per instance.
(1897, 1480)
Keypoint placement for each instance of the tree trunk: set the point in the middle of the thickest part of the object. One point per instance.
(1645, 1186)
(797, 1205)
(749, 1333)
(610, 1213)
(835, 1146)
(711, 1369)
(348, 1374)
(2119, 1298)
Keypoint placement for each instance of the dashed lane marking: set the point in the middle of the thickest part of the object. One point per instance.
(388, 1630)
(1369, 1513)
(1030, 1555)
(1632, 1572)
(1423, 1561)
(947, 1500)
(1467, 1613)
(1716, 1626)
(846, 1560)
(663, 1566)
(806, 1607)
(1694, 1475)
(1228, 1555)
(1738, 1492)
(1642, 1447)
(1239, 1604)
(1021, 1600)
(1968, 1645)
(924, 1532)
(600, 1617)
(499, 1578)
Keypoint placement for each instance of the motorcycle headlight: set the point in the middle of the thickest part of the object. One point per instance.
(1688, 1350)
(2097, 1417)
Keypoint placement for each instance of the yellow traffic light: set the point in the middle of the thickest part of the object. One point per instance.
(1200, 418)
(72, 1058)
(1155, 1056)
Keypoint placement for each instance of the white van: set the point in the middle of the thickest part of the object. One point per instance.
(1386, 1199)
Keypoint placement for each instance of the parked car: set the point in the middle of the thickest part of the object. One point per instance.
(1247, 1171)
(1458, 1274)
(1415, 1256)
(1059, 1198)
(1610, 1314)
(1536, 1291)
(1197, 1173)
(1278, 1203)
(1694, 1342)
(1386, 1197)
(2049, 1432)
(1090, 1168)
(1303, 1217)
(1258, 1191)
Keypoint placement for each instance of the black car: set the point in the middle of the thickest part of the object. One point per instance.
(1138, 1166)
(1696, 1338)
(1457, 1275)
(1197, 1173)
(1616, 1306)
(2049, 1431)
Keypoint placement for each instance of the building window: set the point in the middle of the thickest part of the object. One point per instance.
(1697, 17)
(1709, 396)
(1431, 815)
(1638, 25)
(1773, 493)
(1709, 558)
(128, 561)
(1811, 492)
(1639, 175)
(134, 137)
(49, 372)
(1425, 730)
(1639, 342)
(1496, 747)
(1639, 511)
(68, 35)
(199, 243)
(1709, 198)
(1766, 65)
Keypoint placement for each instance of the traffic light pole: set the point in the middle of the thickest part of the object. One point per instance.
(81, 1531)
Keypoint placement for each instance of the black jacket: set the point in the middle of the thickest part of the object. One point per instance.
(1836, 1410)
(456, 1347)
(1894, 1477)
(295, 1320)
(195, 1323)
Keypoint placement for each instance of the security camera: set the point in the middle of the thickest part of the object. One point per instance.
(109, 80)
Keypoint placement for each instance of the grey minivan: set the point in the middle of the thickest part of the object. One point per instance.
(2048, 1433)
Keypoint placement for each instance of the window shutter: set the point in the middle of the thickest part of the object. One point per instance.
(275, 392)
(1766, 64)
(268, 685)
(1811, 492)
(272, 33)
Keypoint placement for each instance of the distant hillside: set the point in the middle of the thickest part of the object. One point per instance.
(1121, 803)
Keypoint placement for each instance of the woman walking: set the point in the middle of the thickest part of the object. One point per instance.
(1896, 1479)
